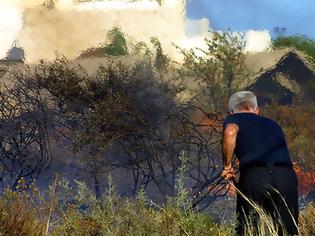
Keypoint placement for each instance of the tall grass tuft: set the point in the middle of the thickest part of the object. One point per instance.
(19, 215)
(264, 224)
(307, 220)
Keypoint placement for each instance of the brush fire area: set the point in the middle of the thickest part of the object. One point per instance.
(112, 117)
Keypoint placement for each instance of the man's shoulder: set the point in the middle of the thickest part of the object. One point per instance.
(231, 119)
(270, 121)
(246, 117)
(241, 116)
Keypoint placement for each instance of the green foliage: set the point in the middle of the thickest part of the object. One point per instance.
(182, 200)
(161, 61)
(112, 215)
(130, 219)
(301, 43)
(219, 69)
(155, 56)
(117, 45)
(142, 49)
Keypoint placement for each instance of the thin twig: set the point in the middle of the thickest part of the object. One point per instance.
(52, 200)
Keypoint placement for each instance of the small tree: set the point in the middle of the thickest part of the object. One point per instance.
(117, 45)
(219, 67)
(128, 119)
(161, 61)
(24, 139)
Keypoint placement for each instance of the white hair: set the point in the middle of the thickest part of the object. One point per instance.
(237, 100)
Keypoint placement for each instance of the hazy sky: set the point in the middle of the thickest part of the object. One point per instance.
(297, 16)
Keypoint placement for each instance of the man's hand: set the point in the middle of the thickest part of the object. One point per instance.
(228, 173)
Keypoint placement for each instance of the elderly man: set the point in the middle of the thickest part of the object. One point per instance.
(266, 174)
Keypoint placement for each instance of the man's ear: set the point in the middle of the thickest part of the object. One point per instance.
(231, 112)
(257, 110)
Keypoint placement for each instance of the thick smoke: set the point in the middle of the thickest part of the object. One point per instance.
(10, 25)
(70, 27)
(257, 41)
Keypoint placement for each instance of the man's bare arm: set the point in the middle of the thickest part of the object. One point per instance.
(229, 143)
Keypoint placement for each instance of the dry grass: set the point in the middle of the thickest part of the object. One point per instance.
(19, 215)
(112, 216)
(307, 221)
(265, 225)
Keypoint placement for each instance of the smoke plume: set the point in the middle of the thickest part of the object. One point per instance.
(71, 27)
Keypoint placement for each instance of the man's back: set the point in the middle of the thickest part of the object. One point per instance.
(259, 139)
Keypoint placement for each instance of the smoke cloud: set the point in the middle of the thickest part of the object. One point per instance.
(257, 41)
(70, 27)
(8, 32)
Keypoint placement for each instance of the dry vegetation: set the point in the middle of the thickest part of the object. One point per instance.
(131, 118)
(76, 212)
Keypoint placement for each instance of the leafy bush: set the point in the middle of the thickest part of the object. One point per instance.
(136, 218)
(219, 70)
(301, 43)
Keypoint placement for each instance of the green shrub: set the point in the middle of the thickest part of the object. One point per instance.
(137, 218)
(112, 215)
(24, 212)
(301, 43)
